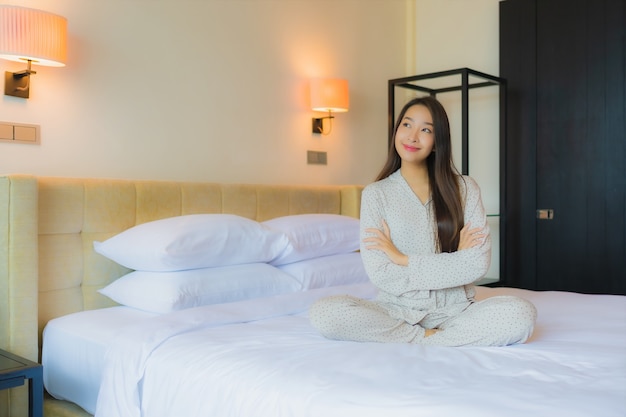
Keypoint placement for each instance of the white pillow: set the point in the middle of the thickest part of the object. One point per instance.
(193, 241)
(163, 292)
(315, 235)
(328, 271)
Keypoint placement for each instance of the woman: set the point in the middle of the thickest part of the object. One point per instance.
(425, 241)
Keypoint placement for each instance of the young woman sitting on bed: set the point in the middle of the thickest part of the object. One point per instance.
(425, 241)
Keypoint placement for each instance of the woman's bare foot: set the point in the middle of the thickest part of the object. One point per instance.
(430, 332)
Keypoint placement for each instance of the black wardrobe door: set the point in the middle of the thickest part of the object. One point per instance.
(580, 147)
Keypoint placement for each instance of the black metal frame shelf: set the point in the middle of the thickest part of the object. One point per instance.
(464, 86)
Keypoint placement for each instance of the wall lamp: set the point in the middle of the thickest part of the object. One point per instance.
(328, 95)
(31, 36)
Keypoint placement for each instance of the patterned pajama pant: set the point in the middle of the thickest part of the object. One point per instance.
(495, 321)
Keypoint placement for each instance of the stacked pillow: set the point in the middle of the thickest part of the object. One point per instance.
(193, 241)
(321, 251)
(193, 260)
(315, 235)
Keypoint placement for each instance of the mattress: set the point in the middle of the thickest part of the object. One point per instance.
(261, 357)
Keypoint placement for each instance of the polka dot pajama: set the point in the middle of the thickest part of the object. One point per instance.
(496, 321)
(435, 290)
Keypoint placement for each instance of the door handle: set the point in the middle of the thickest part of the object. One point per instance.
(545, 214)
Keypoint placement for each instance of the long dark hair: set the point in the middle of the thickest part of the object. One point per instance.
(443, 177)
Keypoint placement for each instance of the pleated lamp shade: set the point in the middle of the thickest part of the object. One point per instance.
(329, 94)
(29, 34)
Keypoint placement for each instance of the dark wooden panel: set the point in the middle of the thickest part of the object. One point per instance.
(614, 37)
(567, 105)
(517, 66)
(578, 137)
(562, 143)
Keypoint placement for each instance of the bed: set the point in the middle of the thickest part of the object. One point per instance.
(255, 354)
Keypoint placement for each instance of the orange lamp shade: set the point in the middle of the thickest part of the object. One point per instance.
(35, 35)
(329, 95)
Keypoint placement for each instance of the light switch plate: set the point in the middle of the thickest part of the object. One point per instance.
(316, 157)
(25, 133)
(19, 133)
(6, 131)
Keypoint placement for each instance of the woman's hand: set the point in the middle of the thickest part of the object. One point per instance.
(470, 237)
(381, 240)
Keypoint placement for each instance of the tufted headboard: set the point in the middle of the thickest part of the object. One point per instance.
(47, 227)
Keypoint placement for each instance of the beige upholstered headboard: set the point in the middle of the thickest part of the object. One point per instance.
(47, 227)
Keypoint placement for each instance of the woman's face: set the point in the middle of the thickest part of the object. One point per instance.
(415, 137)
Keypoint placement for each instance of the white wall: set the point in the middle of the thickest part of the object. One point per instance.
(456, 34)
(453, 34)
(211, 90)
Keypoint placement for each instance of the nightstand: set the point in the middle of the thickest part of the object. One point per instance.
(14, 371)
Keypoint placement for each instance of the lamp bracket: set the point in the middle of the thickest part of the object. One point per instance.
(23, 73)
(318, 124)
(17, 85)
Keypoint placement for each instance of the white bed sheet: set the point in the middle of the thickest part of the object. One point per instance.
(261, 358)
(73, 351)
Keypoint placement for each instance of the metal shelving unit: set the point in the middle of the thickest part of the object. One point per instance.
(462, 80)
